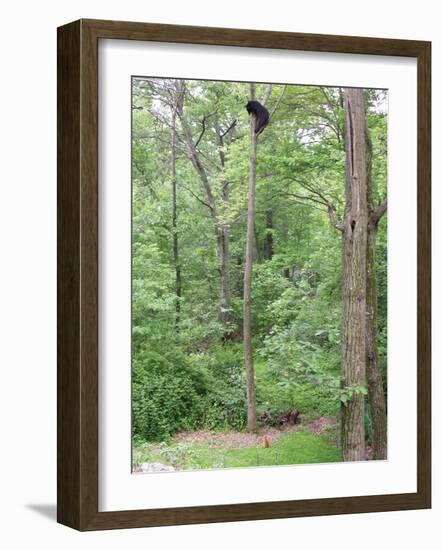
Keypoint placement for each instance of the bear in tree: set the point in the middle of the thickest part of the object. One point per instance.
(261, 114)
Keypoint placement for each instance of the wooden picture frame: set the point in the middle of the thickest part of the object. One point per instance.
(77, 461)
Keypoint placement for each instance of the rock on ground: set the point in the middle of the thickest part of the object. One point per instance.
(152, 467)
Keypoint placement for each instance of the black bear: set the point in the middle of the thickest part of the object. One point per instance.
(261, 114)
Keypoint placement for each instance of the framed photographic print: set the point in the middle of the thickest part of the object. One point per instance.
(243, 275)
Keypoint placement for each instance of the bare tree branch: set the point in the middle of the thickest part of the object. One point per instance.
(332, 217)
(199, 199)
(301, 197)
(333, 106)
(266, 95)
(194, 157)
(312, 200)
(203, 122)
(379, 211)
(278, 102)
(241, 216)
(228, 129)
(159, 138)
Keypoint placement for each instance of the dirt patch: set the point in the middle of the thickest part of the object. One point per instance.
(237, 440)
(320, 425)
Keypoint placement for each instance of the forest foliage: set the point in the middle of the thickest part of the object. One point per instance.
(188, 367)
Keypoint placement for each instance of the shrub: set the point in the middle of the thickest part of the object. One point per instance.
(274, 395)
(226, 405)
(167, 395)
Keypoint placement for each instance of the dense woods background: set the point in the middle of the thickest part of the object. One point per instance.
(317, 243)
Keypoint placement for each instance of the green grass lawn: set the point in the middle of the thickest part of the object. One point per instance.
(301, 447)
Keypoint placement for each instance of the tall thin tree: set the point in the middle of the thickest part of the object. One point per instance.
(176, 105)
(211, 201)
(376, 397)
(248, 270)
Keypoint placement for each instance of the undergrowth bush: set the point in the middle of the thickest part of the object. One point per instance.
(167, 395)
(226, 404)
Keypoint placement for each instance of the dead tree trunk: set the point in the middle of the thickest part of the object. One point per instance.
(247, 321)
(354, 277)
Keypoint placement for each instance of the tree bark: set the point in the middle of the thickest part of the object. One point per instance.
(376, 397)
(247, 324)
(223, 240)
(269, 235)
(176, 260)
(257, 246)
(225, 308)
(354, 277)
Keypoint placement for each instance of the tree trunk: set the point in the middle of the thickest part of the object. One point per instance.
(176, 261)
(222, 232)
(247, 328)
(374, 376)
(257, 246)
(269, 235)
(376, 397)
(354, 277)
(225, 307)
